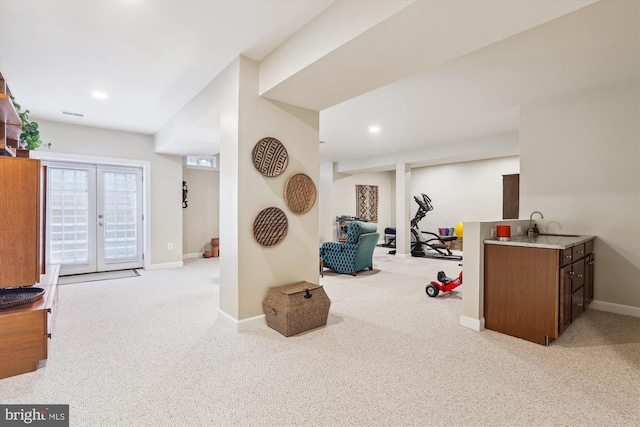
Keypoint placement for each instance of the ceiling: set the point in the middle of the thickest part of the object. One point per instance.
(153, 57)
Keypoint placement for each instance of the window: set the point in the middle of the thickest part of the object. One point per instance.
(204, 162)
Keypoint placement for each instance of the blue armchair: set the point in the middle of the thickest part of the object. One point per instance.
(356, 253)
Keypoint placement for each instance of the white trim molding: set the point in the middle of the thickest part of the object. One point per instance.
(403, 256)
(193, 255)
(165, 265)
(615, 308)
(471, 323)
(244, 324)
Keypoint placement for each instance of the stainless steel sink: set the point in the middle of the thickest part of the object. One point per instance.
(559, 235)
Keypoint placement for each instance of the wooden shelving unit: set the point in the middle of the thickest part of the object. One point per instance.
(25, 329)
(10, 123)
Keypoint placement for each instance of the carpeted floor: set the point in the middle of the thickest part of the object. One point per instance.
(155, 355)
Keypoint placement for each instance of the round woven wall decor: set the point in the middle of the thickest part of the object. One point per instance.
(300, 193)
(270, 157)
(270, 226)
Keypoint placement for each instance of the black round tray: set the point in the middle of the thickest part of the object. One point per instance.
(18, 296)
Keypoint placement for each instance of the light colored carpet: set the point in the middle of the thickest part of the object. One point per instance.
(96, 277)
(155, 355)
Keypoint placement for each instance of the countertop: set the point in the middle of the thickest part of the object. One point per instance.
(548, 241)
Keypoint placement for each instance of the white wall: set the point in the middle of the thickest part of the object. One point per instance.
(468, 191)
(344, 198)
(580, 166)
(165, 214)
(200, 219)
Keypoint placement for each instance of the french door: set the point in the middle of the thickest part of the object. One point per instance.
(94, 217)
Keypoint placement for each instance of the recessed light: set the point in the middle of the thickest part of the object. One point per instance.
(99, 95)
(374, 129)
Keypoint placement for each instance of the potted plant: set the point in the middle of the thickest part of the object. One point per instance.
(30, 136)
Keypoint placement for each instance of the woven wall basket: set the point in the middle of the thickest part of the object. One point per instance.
(300, 193)
(270, 157)
(270, 226)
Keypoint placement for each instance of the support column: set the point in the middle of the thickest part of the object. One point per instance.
(472, 315)
(327, 228)
(248, 269)
(403, 210)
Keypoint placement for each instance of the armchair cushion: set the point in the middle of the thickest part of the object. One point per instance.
(356, 253)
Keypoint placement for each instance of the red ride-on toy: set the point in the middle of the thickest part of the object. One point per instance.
(444, 284)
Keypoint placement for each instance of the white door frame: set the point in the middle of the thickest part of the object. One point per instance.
(102, 219)
(78, 266)
(95, 160)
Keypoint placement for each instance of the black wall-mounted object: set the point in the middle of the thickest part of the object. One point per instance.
(185, 190)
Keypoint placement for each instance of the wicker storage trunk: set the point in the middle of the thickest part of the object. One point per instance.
(297, 307)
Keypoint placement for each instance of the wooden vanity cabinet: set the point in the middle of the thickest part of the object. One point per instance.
(535, 293)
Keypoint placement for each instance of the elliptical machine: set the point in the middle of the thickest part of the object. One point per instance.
(433, 246)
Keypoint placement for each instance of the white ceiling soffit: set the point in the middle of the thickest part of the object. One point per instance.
(480, 94)
(503, 145)
(414, 39)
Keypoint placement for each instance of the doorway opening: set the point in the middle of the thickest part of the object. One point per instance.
(94, 217)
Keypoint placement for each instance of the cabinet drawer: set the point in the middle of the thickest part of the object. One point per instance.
(566, 257)
(577, 303)
(577, 275)
(22, 323)
(577, 252)
(33, 347)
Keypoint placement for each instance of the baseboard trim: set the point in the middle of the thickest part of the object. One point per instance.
(615, 308)
(403, 256)
(165, 265)
(471, 323)
(244, 324)
(193, 255)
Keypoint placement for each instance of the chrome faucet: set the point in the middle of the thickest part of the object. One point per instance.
(530, 232)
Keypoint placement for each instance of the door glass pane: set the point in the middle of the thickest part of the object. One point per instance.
(120, 216)
(69, 202)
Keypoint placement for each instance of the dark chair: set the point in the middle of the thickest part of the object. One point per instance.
(356, 253)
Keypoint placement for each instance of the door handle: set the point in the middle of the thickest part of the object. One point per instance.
(100, 216)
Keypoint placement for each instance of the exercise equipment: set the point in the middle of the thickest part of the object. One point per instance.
(427, 244)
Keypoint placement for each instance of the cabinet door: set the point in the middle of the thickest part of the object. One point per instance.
(521, 291)
(564, 309)
(588, 279)
(20, 213)
(511, 196)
